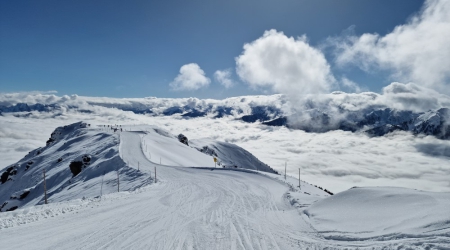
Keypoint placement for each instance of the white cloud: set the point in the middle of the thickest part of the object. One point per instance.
(191, 77)
(350, 85)
(285, 65)
(396, 95)
(413, 97)
(417, 51)
(224, 78)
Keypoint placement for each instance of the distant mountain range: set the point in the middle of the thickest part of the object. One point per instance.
(273, 110)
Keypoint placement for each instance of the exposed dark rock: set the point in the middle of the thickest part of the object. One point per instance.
(282, 121)
(3, 205)
(183, 139)
(28, 165)
(24, 195)
(12, 208)
(172, 110)
(329, 192)
(255, 118)
(86, 159)
(194, 113)
(5, 176)
(261, 113)
(50, 140)
(222, 111)
(384, 129)
(76, 167)
(208, 151)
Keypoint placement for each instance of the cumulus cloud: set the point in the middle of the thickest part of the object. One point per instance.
(191, 77)
(285, 65)
(400, 96)
(413, 97)
(224, 78)
(417, 51)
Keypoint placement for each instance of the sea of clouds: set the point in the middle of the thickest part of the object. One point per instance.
(336, 160)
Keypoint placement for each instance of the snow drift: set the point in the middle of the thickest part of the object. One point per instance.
(382, 213)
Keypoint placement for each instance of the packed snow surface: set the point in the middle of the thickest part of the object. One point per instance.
(188, 207)
(387, 212)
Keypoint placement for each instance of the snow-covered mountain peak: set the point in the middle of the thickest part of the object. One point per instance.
(75, 160)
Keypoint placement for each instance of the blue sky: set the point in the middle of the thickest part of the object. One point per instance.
(136, 48)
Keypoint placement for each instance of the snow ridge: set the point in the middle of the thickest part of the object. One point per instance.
(76, 161)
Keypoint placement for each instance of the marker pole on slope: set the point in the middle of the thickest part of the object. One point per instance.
(299, 185)
(138, 166)
(101, 187)
(45, 189)
(155, 175)
(118, 182)
(285, 165)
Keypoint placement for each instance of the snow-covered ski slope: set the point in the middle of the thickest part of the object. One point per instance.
(161, 147)
(216, 208)
(83, 161)
(386, 213)
(78, 160)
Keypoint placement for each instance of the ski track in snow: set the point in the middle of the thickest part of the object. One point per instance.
(186, 209)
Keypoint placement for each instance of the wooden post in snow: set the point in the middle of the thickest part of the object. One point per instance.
(299, 185)
(155, 175)
(45, 189)
(285, 165)
(101, 187)
(138, 166)
(118, 182)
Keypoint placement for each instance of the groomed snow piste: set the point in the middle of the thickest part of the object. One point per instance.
(187, 207)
